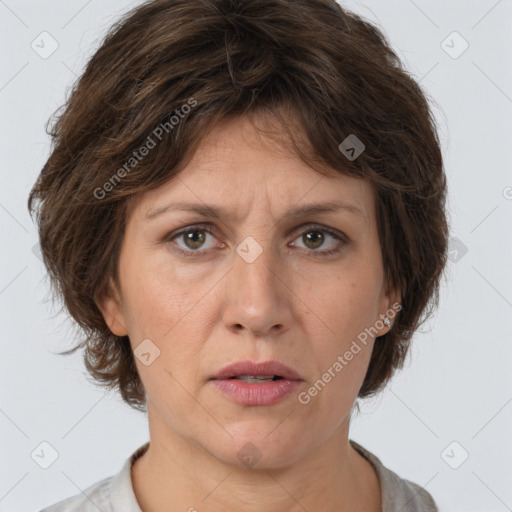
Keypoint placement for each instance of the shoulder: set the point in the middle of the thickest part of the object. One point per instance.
(112, 494)
(95, 497)
(398, 493)
(404, 493)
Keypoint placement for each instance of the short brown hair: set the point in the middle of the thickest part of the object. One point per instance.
(312, 61)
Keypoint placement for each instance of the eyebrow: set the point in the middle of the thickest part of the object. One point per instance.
(218, 212)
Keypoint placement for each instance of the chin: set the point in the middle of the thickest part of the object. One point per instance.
(259, 448)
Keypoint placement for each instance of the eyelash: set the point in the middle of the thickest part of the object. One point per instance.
(208, 229)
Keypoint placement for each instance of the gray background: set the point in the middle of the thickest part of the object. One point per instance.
(457, 385)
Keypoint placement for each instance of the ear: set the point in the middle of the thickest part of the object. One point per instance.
(390, 305)
(109, 303)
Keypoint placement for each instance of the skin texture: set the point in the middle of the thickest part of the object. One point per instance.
(206, 311)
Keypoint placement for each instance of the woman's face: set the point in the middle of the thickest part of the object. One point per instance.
(253, 284)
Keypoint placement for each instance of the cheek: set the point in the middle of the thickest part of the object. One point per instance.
(170, 309)
(340, 373)
(346, 305)
(348, 308)
(357, 290)
(157, 297)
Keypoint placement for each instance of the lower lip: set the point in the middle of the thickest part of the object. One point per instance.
(248, 393)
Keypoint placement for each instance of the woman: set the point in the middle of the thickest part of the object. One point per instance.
(244, 210)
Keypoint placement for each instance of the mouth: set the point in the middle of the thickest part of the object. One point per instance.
(255, 379)
(249, 371)
(248, 383)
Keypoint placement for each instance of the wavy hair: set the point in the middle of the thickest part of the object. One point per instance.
(309, 63)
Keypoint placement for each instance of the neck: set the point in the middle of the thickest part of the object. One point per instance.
(180, 473)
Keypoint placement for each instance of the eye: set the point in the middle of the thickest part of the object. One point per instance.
(314, 237)
(195, 238)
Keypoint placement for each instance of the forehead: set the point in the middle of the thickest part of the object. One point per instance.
(237, 167)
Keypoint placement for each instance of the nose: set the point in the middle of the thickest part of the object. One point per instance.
(257, 294)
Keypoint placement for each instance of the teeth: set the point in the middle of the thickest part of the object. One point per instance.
(257, 378)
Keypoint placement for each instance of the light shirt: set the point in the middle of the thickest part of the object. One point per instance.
(115, 493)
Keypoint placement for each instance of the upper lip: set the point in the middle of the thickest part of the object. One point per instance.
(270, 368)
